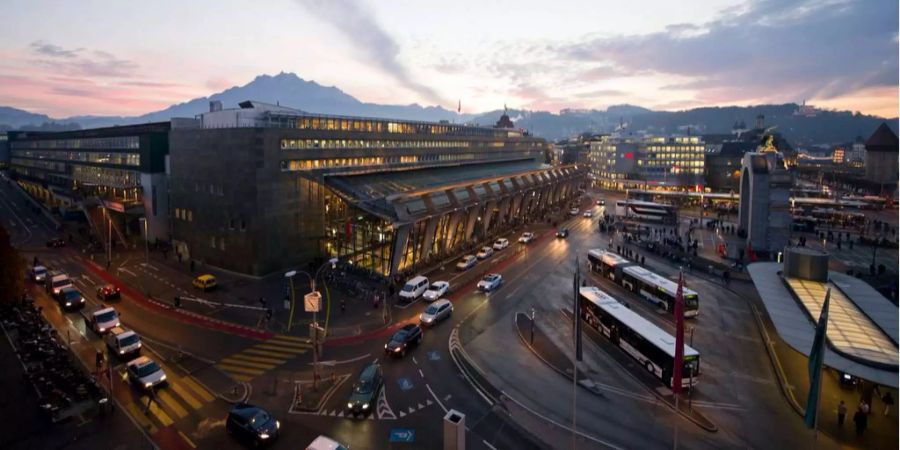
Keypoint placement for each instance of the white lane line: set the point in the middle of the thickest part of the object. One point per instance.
(127, 271)
(414, 361)
(435, 398)
(488, 445)
(421, 374)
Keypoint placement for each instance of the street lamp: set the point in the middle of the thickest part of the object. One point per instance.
(313, 307)
(146, 239)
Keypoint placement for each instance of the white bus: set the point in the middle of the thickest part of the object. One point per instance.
(659, 290)
(608, 264)
(646, 211)
(652, 347)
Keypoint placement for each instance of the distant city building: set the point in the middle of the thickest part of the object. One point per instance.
(806, 110)
(722, 169)
(4, 151)
(647, 162)
(572, 151)
(881, 156)
(115, 174)
(858, 152)
(838, 155)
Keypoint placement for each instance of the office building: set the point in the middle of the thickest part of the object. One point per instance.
(111, 176)
(626, 162)
(262, 188)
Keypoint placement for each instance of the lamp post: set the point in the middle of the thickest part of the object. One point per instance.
(315, 310)
(146, 239)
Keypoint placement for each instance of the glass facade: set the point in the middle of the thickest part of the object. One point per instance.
(123, 142)
(674, 162)
(120, 159)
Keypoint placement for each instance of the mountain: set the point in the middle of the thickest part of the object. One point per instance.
(825, 127)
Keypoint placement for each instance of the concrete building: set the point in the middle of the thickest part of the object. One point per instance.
(881, 156)
(764, 213)
(115, 173)
(261, 188)
(722, 169)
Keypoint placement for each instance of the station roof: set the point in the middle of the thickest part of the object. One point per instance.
(847, 349)
(407, 195)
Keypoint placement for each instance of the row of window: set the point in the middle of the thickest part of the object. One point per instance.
(221, 242)
(658, 163)
(311, 164)
(122, 159)
(377, 126)
(293, 144)
(105, 176)
(104, 142)
(677, 148)
(184, 214)
(46, 165)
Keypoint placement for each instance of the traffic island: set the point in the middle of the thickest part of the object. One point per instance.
(309, 398)
(536, 340)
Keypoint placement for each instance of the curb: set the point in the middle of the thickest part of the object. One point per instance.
(185, 316)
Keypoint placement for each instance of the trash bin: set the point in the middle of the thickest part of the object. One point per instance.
(454, 430)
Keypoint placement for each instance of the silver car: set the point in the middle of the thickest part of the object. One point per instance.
(145, 372)
(436, 312)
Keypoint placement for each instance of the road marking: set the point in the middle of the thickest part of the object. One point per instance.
(122, 269)
(435, 398)
(421, 374)
(139, 416)
(186, 439)
(282, 349)
(289, 338)
(161, 415)
(239, 362)
(186, 396)
(196, 387)
(241, 377)
(244, 370)
(173, 404)
(257, 359)
(488, 445)
(414, 361)
(255, 351)
(288, 345)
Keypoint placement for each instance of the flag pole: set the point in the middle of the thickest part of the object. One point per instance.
(576, 336)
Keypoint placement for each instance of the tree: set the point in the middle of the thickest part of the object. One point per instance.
(12, 276)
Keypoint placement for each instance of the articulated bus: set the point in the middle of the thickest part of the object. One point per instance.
(646, 211)
(652, 347)
(648, 285)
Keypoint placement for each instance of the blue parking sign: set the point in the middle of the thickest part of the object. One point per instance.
(403, 435)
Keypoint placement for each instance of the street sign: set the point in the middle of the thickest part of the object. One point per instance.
(403, 435)
(405, 384)
(312, 302)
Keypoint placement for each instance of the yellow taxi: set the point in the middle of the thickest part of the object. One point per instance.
(205, 282)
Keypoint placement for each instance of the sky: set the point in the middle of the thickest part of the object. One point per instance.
(64, 58)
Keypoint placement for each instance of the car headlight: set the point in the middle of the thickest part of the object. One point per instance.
(385, 346)
(350, 405)
(68, 303)
(162, 378)
(264, 435)
(122, 352)
(102, 329)
(277, 425)
(365, 406)
(397, 349)
(82, 299)
(148, 384)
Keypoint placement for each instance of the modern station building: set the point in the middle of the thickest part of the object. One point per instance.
(262, 187)
(113, 175)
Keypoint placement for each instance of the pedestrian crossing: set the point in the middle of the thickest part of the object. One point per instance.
(260, 358)
(169, 403)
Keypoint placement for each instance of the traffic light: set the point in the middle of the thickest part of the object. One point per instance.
(178, 301)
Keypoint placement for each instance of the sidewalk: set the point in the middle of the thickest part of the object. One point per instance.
(551, 355)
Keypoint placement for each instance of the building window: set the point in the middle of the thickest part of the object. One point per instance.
(212, 241)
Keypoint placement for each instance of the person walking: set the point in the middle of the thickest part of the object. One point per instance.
(888, 400)
(343, 305)
(860, 419)
(842, 413)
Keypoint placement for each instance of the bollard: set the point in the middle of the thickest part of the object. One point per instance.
(454, 430)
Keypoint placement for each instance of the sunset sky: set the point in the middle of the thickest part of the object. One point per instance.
(128, 58)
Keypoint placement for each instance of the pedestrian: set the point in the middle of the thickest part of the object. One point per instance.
(98, 361)
(343, 305)
(864, 407)
(888, 400)
(842, 413)
(860, 419)
(375, 301)
(643, 260)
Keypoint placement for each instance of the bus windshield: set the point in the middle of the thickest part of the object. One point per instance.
(690, 302)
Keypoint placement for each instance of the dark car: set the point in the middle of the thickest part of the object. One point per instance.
(70, 298)
(56, 243)
(365, 391)
(403, 339)
(109, 292)
(251, 424)
(562, 233)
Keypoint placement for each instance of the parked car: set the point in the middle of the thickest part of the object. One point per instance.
(56, 243)
(490, 282)
(467, 262)
(501, 243)
(205, 282)
(436, 312)
(437, 290)
(252, 424)
(145, 373)
(562, 233)
(526, 237)
(108, 292)
(588, 214)
(485, 253)
(413, 288)
(403, 339)
(70, 298)
(365, 391)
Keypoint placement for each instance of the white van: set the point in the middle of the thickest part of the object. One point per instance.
(414, 288)
(56, 282)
